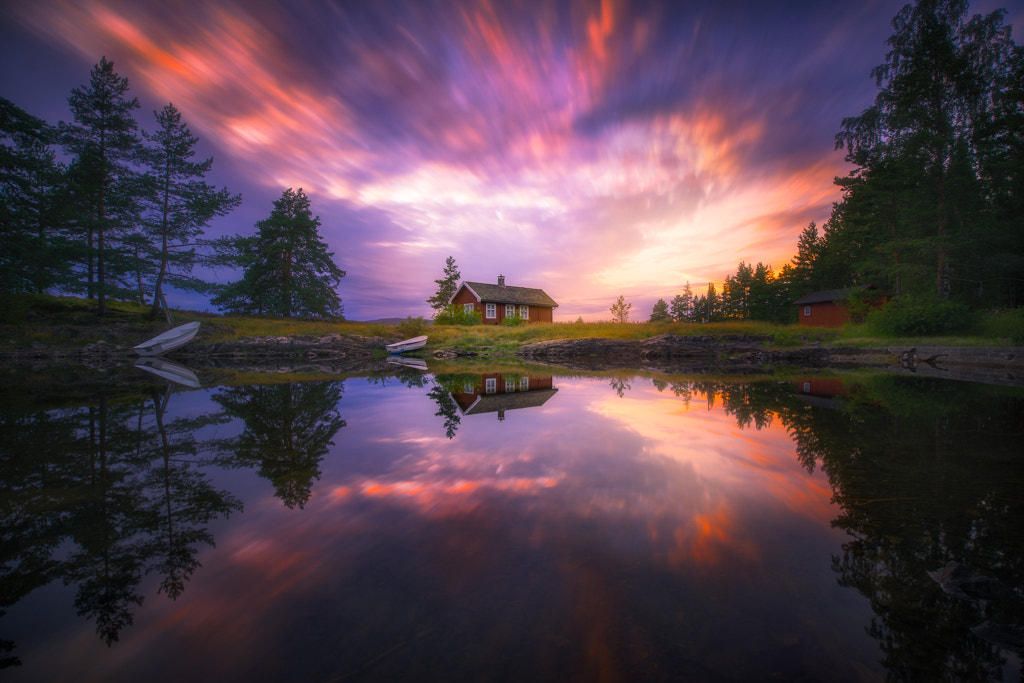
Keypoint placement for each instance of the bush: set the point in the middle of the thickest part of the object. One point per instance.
(454, 315)
(412, 327)
(910, 317)
(513, 321)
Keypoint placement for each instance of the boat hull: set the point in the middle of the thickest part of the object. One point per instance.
(168, 341)
(407, 345)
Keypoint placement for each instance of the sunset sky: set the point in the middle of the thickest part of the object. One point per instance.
(591, 149)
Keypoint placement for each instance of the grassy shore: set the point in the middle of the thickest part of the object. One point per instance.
(25, 319)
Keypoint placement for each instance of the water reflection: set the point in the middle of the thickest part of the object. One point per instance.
(609, 527)
(99, 496)
(288, 429)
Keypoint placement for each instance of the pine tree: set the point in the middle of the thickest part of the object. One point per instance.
(446, 286)
(103, 138)
(287, 269)
(180, 203)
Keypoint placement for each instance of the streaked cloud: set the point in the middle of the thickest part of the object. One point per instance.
(591, 148)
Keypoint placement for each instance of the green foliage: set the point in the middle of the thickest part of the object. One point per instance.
(1004, 324)
(787, 337)
(620, 310)
(909, 316)
(455, 315)
(681, 307)
(446, 286)
(513, 321)
(412, 327)
(287, 269)
(931, 203)
(660, 314)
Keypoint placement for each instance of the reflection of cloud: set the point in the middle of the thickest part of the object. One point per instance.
(646, 141)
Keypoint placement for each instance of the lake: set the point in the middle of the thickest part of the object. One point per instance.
(512, 523)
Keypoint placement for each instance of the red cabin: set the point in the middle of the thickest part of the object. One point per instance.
(831, 308)
(498, 302)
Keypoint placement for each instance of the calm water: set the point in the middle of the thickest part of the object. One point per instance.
(513, 526)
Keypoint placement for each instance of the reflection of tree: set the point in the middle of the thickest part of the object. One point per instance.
(182, 501)
(921, 480)
(441, 394)
(620, 385)
(101, 479)
(288, 430)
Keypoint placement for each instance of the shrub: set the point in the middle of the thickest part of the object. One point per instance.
(412, 327)
(908, 317)
(512, 321)
(454, 315)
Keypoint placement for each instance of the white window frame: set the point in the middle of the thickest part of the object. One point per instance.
(468, 388)
(524, 384)
(468, 308)
(510, 310)
(510, 385)
(807, 310)
(524, 312)
(491, 385)
(492, 311)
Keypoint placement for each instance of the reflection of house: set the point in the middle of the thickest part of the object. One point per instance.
(831, 308)
(496, 393)
(824, 392)
(497, 302)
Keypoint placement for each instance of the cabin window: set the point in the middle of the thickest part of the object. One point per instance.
(467, 388)
(510, 310)
(807, 387)
(510, 385)
(524, 312)
(468, 309)
(492, 310)
(524, 383)
(807, 310)
(490, 385)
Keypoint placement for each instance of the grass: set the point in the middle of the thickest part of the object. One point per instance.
(28, 318)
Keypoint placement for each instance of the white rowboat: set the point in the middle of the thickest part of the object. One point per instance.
(168, 341)
(407, 344)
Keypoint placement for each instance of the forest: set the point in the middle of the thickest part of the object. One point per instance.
(93, 207)
(932, 212)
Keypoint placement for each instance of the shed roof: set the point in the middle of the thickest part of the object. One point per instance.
(530, 296)
(830, 295)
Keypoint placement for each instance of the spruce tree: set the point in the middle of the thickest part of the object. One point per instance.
(287, 269)
(34, 251)
(446, 285)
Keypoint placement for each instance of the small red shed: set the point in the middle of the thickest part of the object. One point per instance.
(830, 308)
(497, 302)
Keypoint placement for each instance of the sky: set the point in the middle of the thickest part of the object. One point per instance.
(591, 148)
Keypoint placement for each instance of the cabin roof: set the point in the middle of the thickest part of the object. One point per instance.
(492, 403)
(505, 294)
(828, 295)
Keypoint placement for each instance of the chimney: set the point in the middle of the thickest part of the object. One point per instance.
(501, 280)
